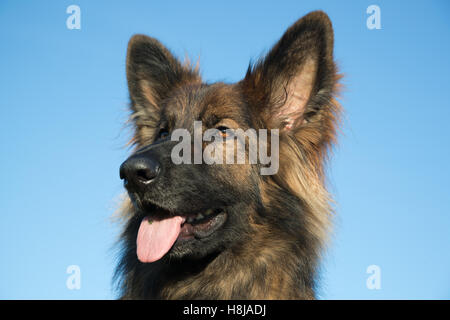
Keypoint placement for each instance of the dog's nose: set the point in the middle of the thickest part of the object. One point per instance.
(138, 171)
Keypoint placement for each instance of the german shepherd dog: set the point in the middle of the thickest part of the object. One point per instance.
(225, 231)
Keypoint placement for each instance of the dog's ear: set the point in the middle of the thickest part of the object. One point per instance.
(293, 85)
(152, 73)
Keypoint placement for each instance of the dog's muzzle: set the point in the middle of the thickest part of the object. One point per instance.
(139, 170)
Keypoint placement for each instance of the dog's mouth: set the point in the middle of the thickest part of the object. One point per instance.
(161, 230)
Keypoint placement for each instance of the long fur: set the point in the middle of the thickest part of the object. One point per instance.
(275, 251)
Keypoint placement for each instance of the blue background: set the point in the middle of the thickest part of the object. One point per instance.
(63, 107)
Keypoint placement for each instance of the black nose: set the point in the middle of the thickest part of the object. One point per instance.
(139, 170)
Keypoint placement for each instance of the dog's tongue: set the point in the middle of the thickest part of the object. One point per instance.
(155, 238)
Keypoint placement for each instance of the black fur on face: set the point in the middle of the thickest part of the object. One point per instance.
(186, 189)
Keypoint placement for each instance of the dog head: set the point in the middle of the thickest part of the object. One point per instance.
(187, 203)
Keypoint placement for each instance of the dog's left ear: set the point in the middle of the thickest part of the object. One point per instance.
(294, 83)
(152, 74)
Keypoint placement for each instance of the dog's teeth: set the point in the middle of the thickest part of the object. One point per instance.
(199, 216)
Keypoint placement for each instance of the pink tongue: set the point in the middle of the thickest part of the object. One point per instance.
(157, 237)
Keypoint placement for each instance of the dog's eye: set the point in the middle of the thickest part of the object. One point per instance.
(223, 130)
(163, 133)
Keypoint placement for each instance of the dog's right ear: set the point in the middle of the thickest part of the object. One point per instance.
(293, 87)
(152, 73)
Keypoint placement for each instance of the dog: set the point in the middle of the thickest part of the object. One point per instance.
(221, 230)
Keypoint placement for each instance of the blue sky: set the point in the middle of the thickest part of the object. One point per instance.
(63, 105)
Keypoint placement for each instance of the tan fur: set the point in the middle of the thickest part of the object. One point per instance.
(280, 92)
